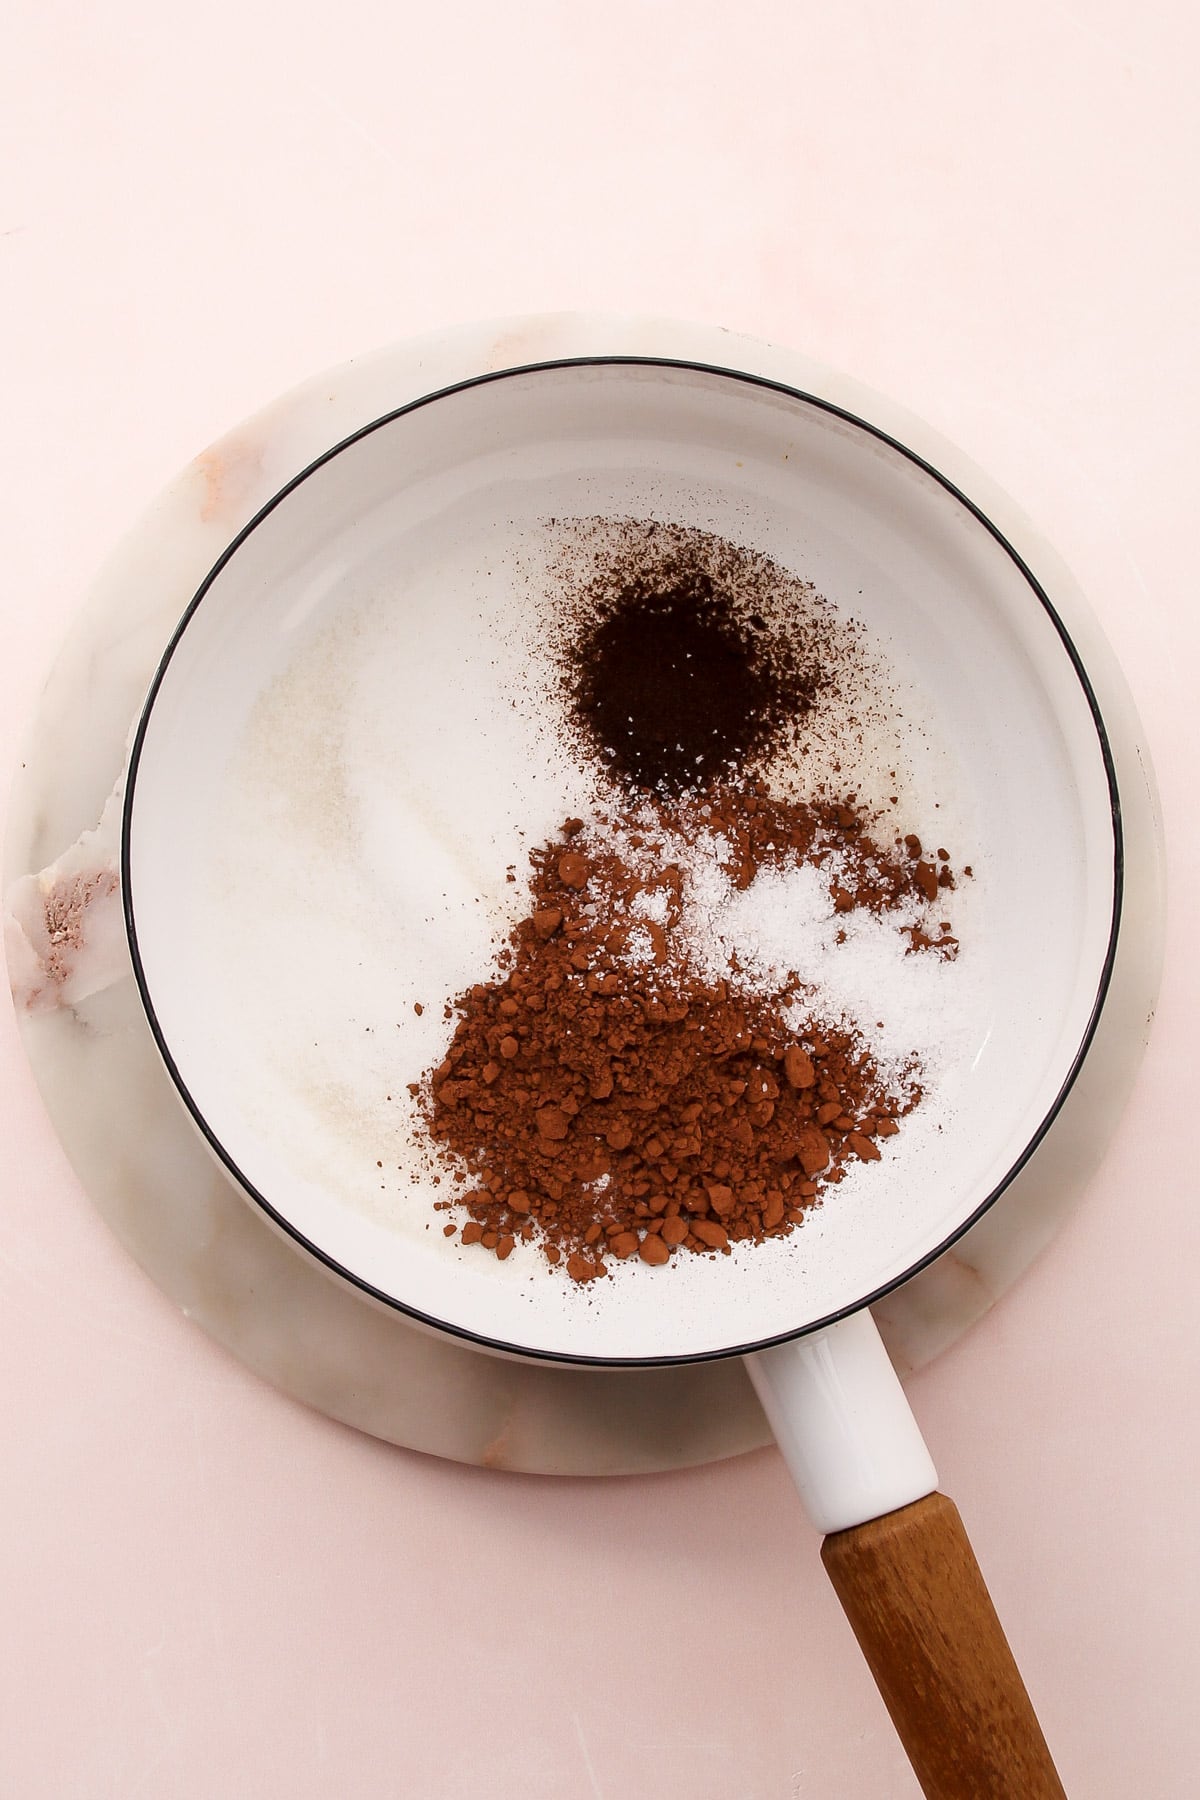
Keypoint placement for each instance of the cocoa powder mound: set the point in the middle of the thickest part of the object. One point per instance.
(608, 1107)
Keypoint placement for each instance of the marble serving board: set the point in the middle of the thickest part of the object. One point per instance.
(125, 1130)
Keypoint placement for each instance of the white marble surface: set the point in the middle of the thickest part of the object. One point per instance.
(128, 1137)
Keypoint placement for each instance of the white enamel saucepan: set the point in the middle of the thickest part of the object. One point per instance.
(343, 754)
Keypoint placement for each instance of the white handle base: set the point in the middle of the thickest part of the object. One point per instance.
(843, 1424)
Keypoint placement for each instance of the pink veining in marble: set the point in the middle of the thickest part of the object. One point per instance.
(231, 469)
(56, 936)
(64, 935)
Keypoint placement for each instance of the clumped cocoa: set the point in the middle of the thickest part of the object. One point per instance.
(610, 1105)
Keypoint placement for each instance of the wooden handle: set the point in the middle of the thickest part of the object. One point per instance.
(913, 1593)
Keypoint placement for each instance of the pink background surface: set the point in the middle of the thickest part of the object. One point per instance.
(990, 214)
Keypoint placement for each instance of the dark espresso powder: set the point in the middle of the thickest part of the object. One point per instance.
(683, 659)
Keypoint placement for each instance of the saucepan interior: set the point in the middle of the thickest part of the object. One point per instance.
(344, 757)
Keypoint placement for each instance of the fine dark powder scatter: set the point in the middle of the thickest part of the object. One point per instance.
(684, 658)
(675, 688)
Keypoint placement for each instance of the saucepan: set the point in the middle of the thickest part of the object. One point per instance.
(342, 765)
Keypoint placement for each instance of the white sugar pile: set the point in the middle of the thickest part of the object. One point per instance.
(858, 967)
(855, 968)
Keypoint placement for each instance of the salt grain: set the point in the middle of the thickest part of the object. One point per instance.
(651, 903)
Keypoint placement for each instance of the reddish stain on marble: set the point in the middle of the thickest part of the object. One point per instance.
(513, 349)
(58, 950)
(65, 913)
(232, 468)
(497, 1452)
(968, 1276)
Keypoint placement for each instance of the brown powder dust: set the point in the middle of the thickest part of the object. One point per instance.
(606, 1094)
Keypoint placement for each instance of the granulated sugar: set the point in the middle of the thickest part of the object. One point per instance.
(857, 967)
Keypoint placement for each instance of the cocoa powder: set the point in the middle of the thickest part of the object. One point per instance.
(608, 1107)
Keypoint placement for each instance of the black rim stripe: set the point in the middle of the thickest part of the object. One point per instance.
(389, 1300)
